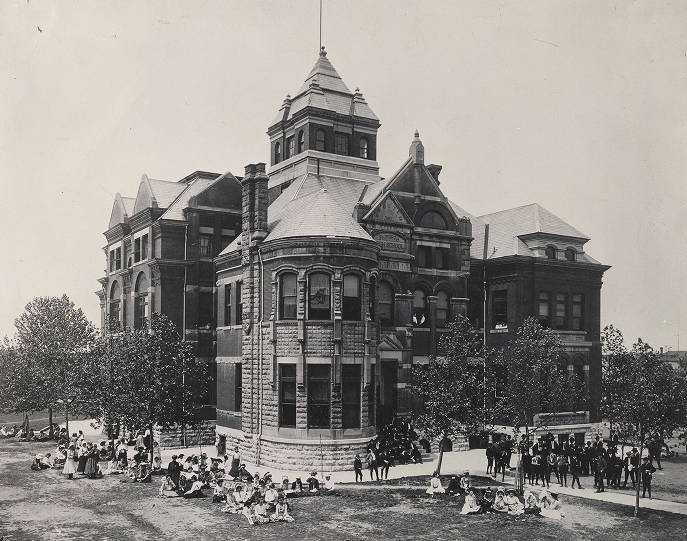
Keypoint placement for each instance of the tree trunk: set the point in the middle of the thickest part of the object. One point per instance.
(26, 422)
(441, 455)
(52, 432)
(66, 420)
(151, 445)
(639, 471)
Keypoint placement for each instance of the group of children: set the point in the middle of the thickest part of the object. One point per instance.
(499, 501)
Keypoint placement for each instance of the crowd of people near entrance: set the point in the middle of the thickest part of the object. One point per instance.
(394, 444)
(546, 458)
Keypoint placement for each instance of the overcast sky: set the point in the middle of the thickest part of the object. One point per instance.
(579, 106)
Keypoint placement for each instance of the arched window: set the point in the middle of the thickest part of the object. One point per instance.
(140, 301)
(351, 298)
(301, 141)
(277, 152)
(385, 303)
(433, 219)
(551, 252)
(115, 294)
(287, 296)
(320, 140)
(319, 296)
(443, 308)
(571, 254)
(363, 147)
(420, 318)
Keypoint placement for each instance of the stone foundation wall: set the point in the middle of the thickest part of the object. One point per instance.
(170, 438)
(295, 454)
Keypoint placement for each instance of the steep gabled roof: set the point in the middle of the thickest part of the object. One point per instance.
(156, 193)
(175, 211)
(122, 209)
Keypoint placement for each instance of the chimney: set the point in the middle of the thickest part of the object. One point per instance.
(417, 150)
(434, 170)
(254, 203)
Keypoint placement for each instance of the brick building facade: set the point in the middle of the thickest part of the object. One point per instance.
(316, 286)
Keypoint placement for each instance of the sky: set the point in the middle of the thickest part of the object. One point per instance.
(580, 106)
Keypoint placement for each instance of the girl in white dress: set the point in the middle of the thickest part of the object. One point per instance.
(435, 486)
(70, 462)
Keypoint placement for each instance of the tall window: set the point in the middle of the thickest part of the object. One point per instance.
(301, 141)
(560, 320)
(351, 298)
(144, 247)
(115, 294)
(140, 301)
(443, 308)
(290, 150)
(205, 308)
(320, 140)
(287, 395)
(115, 259)
(441, 258)
(227, 304)
(137, 250)
(424, 256)
(341, 144)
(578, 312)
(385, 303)
(551, 252)
(545, 308)
(239, 305)
(433, 219)
(499, 309)
(277, 152)
(363, 147)
(319, 305)
(570, 254)
(287, 296)
(319, 389)
(350, 395)
(238, 386)
(205, 246)
(420, 308)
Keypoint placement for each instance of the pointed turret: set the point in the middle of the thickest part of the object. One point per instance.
(417, 149)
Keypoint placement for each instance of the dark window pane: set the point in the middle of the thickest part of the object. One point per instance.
(319, 387)
(551, 252)
(544, 309)
(238, 386)
(363, 147)
(561, 311)
(287, 395)
(443, 308)
(433, 219)
(499, 309)
(227, 304)
(320, 140)
(385, 303)
(341, 144)
(239, 305)
(350, 395)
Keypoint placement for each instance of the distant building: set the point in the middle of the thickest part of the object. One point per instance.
(676, 359)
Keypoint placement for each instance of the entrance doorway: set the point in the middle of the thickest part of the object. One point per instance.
(387, 392)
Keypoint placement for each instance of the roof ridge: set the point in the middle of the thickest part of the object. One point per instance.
(507, 210)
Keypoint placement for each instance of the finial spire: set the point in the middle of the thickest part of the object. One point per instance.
(322, 51)
(321, 48)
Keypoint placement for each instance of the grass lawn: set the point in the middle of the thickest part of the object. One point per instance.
(44, 505)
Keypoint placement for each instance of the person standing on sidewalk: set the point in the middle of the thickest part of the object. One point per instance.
(575, 470)
(648, 470)
(601, 465)
(358, 468)
(372, 463)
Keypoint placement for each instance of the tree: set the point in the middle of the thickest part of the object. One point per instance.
(55, 342)
(532, 379)
(152, 377)
(18, 390)
(449, 391)
(641, 394)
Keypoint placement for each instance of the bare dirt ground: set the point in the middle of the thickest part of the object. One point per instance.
(46, 506)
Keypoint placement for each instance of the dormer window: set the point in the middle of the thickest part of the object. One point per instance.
(301, 141)
(363, 147)
(434, 220)
(277, 152)
(571, 254)
(320, 140)
(550, 252)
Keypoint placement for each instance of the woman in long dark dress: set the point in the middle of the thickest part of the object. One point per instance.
(83, 457)
(92, 462)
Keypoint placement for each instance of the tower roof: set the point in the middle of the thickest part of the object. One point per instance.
(324, 88)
